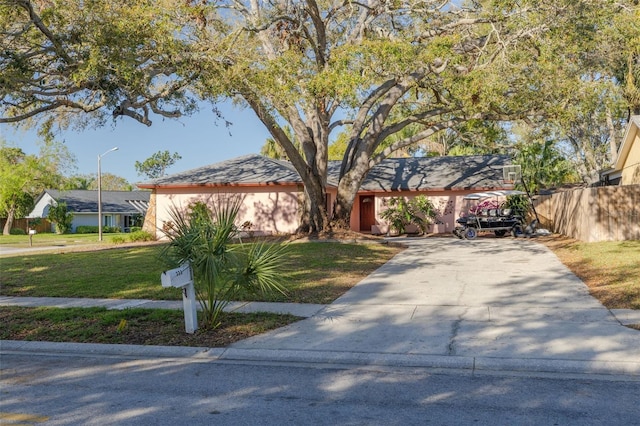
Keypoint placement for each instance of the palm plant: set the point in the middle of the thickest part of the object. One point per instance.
(419, 211)
(221, 265)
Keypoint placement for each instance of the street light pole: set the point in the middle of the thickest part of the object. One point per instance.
(115, 148)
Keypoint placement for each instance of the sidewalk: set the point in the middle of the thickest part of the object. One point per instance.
(482, 305)
(297, 309)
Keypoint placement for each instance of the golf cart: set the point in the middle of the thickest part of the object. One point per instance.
(488, 214)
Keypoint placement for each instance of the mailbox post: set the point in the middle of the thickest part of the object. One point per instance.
(182, 277)
(32, 232)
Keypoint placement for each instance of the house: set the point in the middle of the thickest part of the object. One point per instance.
(626, 168)
(272, 191)
(122, 209)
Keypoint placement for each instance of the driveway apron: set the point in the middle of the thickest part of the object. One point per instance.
(491, 298)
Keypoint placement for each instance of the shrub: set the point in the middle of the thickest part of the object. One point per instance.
(61, 217)
(221, 269)
(118, 239)
(135, 229)
(88, 229)
(85, 229)
(141, 236)
(419, 211)
(519, 204)
(17, 231)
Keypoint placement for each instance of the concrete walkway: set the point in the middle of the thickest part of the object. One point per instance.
(487, 304)
(298, 309)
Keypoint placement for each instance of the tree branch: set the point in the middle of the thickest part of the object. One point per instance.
(37, 21)
(416, 138)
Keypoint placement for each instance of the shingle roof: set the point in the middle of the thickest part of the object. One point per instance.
(246, 170)
(437, 173)
(85, 201)
(392, 174)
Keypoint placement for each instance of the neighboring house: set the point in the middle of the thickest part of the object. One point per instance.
(626, 168)
(122, 209)
(608, 212)
(272, 191)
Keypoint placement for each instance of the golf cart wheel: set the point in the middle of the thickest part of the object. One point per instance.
(500, 233)
(470, 233)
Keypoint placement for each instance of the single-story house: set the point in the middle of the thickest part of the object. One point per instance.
(626, 168)
(122, 209)
(272, 190)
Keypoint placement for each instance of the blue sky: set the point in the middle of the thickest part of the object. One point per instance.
(200, 139)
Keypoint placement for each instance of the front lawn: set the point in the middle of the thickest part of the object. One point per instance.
(313, 273)
(130, 326)
(611, 269)
(51, 239)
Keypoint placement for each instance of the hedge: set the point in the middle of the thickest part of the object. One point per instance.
(84, 229)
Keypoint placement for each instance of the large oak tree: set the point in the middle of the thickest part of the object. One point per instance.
(378, 68)
(372, 69)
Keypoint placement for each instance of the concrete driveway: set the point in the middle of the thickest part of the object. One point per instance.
(486, 303)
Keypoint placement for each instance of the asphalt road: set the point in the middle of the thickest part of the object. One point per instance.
(52, 389)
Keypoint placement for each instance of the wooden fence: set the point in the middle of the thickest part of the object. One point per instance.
(609, 213)
(43, 225)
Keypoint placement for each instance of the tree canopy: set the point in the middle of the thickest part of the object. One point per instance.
(379, 68)
(64, 59)
(388, 75)
(23, 177)
(156, 165)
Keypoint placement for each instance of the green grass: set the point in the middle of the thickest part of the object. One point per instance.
(51, 239)
(131, 326)
(313, 273)
(128, 273)
(611, 269)
(322, 272)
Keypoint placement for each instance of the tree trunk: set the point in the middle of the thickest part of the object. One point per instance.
(11, 212)
(314, 213)
(348, 188)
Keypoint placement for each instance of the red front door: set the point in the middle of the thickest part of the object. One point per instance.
(367, 212)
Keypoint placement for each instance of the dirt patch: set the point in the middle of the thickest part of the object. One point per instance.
(338, 235)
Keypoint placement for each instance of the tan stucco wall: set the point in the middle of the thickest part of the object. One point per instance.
(270, 210)
(275, 211)
(631, 167)
(449, 204)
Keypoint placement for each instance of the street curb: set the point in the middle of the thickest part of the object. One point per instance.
(631, 370)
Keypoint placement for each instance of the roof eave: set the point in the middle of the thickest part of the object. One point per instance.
(217, 185)
(439, 189)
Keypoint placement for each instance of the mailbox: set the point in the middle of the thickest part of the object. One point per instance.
(182, 277)
(32, 232)
(178, 277)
